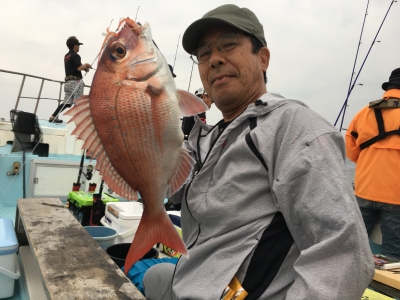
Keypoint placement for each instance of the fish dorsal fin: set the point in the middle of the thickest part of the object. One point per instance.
(86, 131)
(190, 104)
(182, 174)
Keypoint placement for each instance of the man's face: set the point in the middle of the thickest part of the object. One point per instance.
(233, 79)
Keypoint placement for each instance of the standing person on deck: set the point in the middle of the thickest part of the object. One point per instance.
(74, 84)
(268, 209)
(373, 143)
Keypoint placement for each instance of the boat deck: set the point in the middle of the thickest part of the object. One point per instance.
(72, 265)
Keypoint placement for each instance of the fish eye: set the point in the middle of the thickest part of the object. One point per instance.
(118, 50)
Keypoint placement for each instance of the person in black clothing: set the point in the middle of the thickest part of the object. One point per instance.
(73, 87)
(188, 122)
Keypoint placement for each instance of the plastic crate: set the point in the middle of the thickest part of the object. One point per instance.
(81, 203)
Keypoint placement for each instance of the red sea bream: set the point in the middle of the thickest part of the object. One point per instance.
(130, 123)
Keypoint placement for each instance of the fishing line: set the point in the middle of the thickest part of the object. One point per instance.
(137, 12)
(108, 28)
(176, 52)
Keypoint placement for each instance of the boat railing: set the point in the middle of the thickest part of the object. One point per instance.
(38, 98)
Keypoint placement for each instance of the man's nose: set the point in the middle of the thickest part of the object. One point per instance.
(216, 56)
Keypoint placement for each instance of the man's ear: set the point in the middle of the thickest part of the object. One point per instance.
(264, 58)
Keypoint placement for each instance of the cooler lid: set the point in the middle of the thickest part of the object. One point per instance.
(125, 210)
(8, 238)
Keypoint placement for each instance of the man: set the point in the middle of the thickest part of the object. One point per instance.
(188, 122)
(373, 143)
(74, 84)
(268, 209)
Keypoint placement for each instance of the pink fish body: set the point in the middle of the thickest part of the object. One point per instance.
(131, 123)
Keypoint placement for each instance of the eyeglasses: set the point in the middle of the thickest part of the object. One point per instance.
(224, 44)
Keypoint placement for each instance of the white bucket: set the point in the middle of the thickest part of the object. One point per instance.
(9, 267)
(124, 217)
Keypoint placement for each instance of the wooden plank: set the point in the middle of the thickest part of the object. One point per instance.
(72, 264)
(388, 277)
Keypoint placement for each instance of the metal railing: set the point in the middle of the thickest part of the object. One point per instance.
(38, 98)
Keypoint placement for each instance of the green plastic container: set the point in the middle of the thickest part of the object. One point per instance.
(80, 204)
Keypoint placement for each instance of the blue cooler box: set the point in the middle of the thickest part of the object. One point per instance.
(9, 267)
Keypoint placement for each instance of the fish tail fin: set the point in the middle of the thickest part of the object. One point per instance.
(190, 105)
(152, 230)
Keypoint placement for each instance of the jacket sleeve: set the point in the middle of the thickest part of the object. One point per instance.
(312, 192)
(352, 149)
(76, 60)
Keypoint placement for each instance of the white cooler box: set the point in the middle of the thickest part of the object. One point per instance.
(124, 217)
(9, 267)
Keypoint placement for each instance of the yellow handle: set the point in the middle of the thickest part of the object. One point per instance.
(234, 291)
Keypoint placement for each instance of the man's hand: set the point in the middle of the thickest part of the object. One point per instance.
(85, 67)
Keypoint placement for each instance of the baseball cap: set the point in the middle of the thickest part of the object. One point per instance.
(72, 41)
(241, 18)
(199, 92)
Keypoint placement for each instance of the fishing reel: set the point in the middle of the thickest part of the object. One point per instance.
(89, 172)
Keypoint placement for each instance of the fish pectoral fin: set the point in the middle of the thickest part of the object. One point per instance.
(189, 104)
(182, 174)
(153, 229)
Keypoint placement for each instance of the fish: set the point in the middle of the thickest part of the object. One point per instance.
(130, 122)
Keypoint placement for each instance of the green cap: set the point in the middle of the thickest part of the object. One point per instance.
(241, 18)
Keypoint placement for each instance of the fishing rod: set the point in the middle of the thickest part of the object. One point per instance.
(190, 80)
(176, 52)
(358, 47)
(358, 74)
(354, 65)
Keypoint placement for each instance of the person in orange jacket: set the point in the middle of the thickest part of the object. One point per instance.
(373, 143)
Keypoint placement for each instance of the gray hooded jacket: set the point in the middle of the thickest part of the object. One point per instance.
(272, 206)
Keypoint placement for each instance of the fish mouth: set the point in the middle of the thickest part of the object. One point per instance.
(124, 23)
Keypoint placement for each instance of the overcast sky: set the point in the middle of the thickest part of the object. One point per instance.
(312, 43)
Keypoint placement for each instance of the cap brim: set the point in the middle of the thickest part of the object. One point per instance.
(385, 86)
(194, 32)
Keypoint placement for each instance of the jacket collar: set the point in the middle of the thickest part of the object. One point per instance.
(268, 103)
